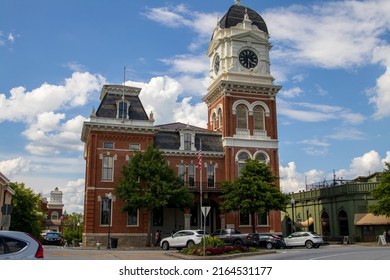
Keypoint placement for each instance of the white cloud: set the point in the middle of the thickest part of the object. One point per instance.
(309, 112)
(293, 181)
(163, 97)
(73, 196)
(201, 23)
(291, 93)
(327, 34)
(15, 166)
(25, 106)
(381, 93)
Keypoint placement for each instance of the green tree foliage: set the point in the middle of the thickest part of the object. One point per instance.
(72, 228)
(26, 213)
(253, 192)
(148, 183)
(382, 194)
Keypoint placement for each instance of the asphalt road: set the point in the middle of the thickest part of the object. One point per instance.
(332, 252)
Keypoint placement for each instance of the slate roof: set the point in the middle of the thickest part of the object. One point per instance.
(235, 15)
(108, 109)
(168, 137)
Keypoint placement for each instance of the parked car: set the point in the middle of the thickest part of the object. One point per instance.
(17, 245)
(182, 239)
(270, 241)
(234, 237)
(53, 238)
(304, 238)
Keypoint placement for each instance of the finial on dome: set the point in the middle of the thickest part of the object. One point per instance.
(237, 2)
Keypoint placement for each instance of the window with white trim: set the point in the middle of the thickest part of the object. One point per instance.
(258, 118)
(242, 117)
(210, 175)
(191, 175)
(108, 168)
(242, 157)
(181, 171)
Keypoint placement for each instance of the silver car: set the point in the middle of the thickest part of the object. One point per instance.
(17, 245)
(304, 238)
(182, 239)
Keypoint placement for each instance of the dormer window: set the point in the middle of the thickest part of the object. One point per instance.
(122, 111)
(187, 140)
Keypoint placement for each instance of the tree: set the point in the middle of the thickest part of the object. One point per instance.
(253, 192)
(148, 183)
(382, 194)
(26, 212)
(72, 228)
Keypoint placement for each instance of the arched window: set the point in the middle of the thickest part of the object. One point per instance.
(214, 122)
(343, 223)
(261, 157)
(210, 175)
(242, 157)
(258, 118)
(242, 117)
(181, 173)
(220, 121)
(54, 215)
(191, 175)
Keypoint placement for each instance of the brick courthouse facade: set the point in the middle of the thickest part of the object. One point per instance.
(242, 123)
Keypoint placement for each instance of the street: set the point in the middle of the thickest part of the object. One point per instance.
(332, 252)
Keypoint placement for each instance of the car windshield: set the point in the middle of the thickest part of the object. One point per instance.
(52, 235)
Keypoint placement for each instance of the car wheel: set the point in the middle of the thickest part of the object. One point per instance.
(309, 244)
(237, 243)
(165, 245)
(190, 243)
(269, 245)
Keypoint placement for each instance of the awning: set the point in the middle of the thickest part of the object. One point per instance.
(370, 219)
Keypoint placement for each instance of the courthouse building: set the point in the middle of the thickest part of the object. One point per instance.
(242, 123)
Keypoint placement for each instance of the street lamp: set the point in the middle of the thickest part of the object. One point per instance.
(108, 211)
(292, 201)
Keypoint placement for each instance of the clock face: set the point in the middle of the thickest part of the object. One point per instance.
(248, 59)
(217, 62)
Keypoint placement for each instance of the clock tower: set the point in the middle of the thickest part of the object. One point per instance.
(241, 98)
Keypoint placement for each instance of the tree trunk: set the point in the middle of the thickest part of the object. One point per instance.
(148, 237)
(253, 222)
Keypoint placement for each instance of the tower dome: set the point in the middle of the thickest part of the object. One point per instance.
(236, 14)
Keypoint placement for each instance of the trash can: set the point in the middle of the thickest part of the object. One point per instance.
(114, 242)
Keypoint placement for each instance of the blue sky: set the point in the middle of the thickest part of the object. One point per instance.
(332, 59)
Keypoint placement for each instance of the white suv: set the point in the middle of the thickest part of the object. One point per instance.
(182, 239)
(304, 238)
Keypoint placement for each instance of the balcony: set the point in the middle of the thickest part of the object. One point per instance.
(206, 187)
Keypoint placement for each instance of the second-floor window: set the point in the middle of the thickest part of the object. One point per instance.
(107, 172)
(210, 175)
(242, 117)
(181, 170)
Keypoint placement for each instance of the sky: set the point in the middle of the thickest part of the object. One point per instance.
(332, 59)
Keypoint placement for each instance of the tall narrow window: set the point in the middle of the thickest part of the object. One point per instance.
(220, 121)
(214, 120)
(181, 173)
(122, 110)
(210, 175)
(187, 141)
(258, 118)
(242, 117)
(242, 157)
(191, 175)
(105, 211)
(107, 174)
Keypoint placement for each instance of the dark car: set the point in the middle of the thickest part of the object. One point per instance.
(53, 238)
(270, 241)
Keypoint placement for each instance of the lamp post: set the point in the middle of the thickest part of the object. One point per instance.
(292, 201)
(108, 205)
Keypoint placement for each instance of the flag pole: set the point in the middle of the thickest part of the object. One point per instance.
(200, 183)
